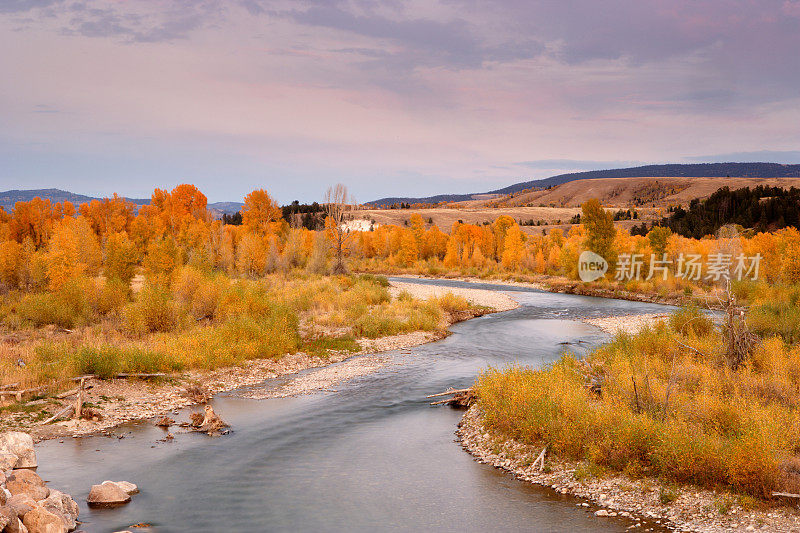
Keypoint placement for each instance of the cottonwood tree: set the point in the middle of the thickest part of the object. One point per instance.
(600, 231)
(338, 208)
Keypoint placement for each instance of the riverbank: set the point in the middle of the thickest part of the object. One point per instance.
(117, 401)
(630, 324)
(683, 508)
(563, 285)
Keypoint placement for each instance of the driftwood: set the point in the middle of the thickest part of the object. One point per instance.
(540, 460)
(59, 414)
(459, 397)
(448, 392)
(786, 495)
(19, 393)
(72, 392)
(212, 423)
(79, 401)
(124, 375)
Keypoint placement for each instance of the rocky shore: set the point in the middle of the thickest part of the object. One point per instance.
(644, 502)
(630, 324)
(560, 284)
(492, 299)
(27, 504)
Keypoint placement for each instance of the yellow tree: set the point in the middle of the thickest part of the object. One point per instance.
(260, 212)
(417, 228)
(161, 260)
(600, 231)
(500, 227)
(63, 257)
(513, 248)
(10, 261)
(408, 249)
(121, 257)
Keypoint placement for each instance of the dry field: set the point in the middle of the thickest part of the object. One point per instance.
(444, 217)
(631, 192)
(555, 207)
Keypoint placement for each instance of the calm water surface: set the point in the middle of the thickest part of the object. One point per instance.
(373, 456)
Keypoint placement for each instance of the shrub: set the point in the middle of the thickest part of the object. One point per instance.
(68, 307)
(451, 303)
(151, 312)
(690, 320)
(733, 428)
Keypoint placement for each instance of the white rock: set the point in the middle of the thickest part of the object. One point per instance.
(7, 461)
(127, 486)
(19, 444)
(107, 494)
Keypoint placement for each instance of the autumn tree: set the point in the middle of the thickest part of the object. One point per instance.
(109, 215)
(658, 237)
(121, 257)
(260, 212)
(409, 252)
(338, 206)
(599, 226)
(10, 263)
(513, 248)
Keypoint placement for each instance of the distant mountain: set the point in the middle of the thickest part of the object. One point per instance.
(9, 198)
(698, 170)
(229, 208)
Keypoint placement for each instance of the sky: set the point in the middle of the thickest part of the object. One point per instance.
(390, 98)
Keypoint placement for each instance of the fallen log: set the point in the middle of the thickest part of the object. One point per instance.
(459, 397)
(449, 392)
(72, 391)
(59, 414)
(785, 495)
(18, 394)
(540, 460)
(153, 375)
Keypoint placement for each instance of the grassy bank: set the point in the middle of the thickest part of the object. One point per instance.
(199, 320)
(664, 403)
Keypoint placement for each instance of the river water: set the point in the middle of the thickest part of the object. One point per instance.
(372, 456)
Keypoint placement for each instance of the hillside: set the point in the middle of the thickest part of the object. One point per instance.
(658, 192)
(715, 171)
(9, 198)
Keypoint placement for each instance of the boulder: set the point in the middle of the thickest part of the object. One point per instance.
(40, 520)
(15, 526)
(19, 444)
(127, 486)
(7, 514)
(3, 498)
(63, 506)
(27, 482)
(7, 461)
(21, 504)
(107, 494)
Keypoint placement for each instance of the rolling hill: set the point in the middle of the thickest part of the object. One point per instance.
(9, 198)
(715, 171)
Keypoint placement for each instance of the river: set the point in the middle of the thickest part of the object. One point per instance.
(372, 456)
